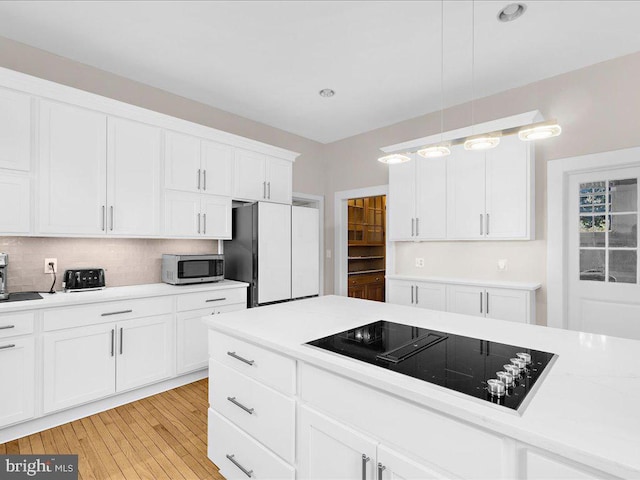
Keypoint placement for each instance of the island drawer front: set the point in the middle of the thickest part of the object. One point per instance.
(272, 417)
(212, 298)
(227, 439)
(441, 441)
(535, 465)
(14, 324)
(366, 278)
(104, 312)
(256, 362)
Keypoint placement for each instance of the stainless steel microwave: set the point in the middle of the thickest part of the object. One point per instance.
(186, 269)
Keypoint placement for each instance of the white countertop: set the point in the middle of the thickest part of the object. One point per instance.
(587, 408)
(64, 299)
(465, 281)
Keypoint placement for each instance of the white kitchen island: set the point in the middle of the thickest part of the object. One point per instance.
(282, 409)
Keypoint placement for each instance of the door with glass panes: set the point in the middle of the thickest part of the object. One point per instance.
(603, 290)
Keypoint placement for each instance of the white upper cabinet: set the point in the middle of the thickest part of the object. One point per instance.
(72, 170)
(417, 199)
(216, 216)
(14, 191)
(133, 173)
(196, 165)
(15, 130)
(261, 177)
(465, 194)
(196, 215)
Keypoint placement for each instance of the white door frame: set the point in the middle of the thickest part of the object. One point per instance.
(558, 172)
(319, 199)
(341, 216)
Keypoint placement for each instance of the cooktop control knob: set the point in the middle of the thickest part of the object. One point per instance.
(524, 356)
(496, 387)
(521, 364)
(507, 378)
(512, 369)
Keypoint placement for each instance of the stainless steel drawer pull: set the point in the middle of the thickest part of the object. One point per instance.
(204, 220)
(113, 341)
(417, 227)
(7, 327)
(204, 174)
(248, 473)
(198, 223)
(381, 468)
(121, 338)
(116, 313)
(480, 302)
(7, 346)
(111, 218)
(487, 229)
(413, 226)
(487, 303)
(198, 179)
(269, 190)
(417, 295)
(103, 219)
(264, 190)
(481, 232)
(216, 299)
(365, 460)
(238, 404)
(238, 357)
(411, 294)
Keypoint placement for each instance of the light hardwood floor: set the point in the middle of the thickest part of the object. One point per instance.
(159, 437)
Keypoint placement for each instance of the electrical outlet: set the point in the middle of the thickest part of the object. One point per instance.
(502, 264)
(419, 262)
(47, 268)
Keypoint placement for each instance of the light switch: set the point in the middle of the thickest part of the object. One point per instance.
(502, 264)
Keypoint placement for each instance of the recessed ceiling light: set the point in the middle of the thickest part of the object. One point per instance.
(326, 93)
(394, 158)
(434, 152)
(511, 12)
(482, 142)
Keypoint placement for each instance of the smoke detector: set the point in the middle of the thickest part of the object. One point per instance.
(511, 12)
(326, 93)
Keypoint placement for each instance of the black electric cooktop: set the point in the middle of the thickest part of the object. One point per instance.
(463, 364)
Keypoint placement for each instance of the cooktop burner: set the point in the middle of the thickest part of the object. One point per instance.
(491, 371)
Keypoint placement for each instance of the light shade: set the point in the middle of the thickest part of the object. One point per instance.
(394, 158)
(484, 142)
(540, 132)
(434, 152)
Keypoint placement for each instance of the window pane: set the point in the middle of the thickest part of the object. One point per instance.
(592, 265)
(591, 235)
(592, 187)
(624, 231)
(624, 195)
(623, 266)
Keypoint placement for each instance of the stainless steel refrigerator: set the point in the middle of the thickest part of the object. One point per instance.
(260, 252)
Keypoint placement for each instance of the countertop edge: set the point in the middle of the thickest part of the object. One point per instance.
(530, 286)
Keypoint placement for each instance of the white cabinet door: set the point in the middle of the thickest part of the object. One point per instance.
(182, 216)
(430, 295)
(509, 193)
(217, 168)
(144, 351)
(506, 304)
(133, 172)
(465, 194)
(466, 299)
(191, 340)
(182, 162)
(79, 366)
(216, 216)
(400, 292)
(279, 180)
(14, 196)
(401, 201)
(274, 252)
(431, 198)
(15, 125)
(72, 166)
(249, 175)
(394, 466)
(17, 377)
(305, 251)
(329, 450)
(539, 466)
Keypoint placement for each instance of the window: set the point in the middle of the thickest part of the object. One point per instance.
(609, 231)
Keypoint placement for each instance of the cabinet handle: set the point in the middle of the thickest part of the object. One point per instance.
(481, 233)
(238, 357)
(487, 229)
(121, 338)
(238, 404)
(103, 218)
(480, 302)
(381, 468)
(487, 304)
(7, 327)
(417, 227)
(204, 183)
(4, 347)
(413, 226)
(204, 221)
(365, 460)
(198, 179)
(215, 299)
(411, 294)
(198, 223)
(269, 190)
(264, 190)
(108, 314)
(113, 341)
(248, 473)
(112, 218)
(416, 294)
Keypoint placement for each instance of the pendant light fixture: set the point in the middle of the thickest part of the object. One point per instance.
(441, 150)
(541, 131)
(394, 158)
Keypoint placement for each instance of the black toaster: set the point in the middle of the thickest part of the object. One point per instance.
(83, 279)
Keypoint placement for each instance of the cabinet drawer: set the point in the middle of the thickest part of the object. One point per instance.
(438, 440)
(366, 278)
(535, 465)
(256, 362)
(263, 413)
(211, 298)
(14, 324)
(59, 318)
(226, 440)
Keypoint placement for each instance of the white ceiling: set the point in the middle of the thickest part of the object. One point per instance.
(267, 60)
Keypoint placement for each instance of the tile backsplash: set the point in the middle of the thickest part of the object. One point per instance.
(126, 261)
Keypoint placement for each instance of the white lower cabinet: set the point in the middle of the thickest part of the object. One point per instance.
(537, 465)
(418, 294)
(17, 379)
